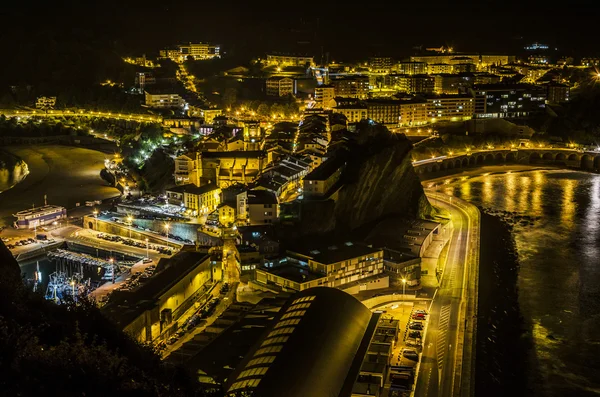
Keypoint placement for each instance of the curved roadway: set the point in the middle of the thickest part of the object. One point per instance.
(446, 365)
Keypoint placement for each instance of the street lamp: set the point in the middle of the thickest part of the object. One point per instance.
(112, 268)
(130, 221)
(167, 229)
(96, 217)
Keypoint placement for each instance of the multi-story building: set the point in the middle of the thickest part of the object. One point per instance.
(45, 102)
(253, 136)
(384, 111)
(508, 100)
(587, 62)
(257, 207)
(414, 84)
(413, 114)
(412, 67)
(380, 64)
(280, 86)
(324, 96)
(227, 168)
(200, 200)
(450, 108)
(437, 68)
(185, 169)
(322, 179)
(199, 50)
(449, 83)
(479, 60)
(334, 265)
(351, 87)
(226, 214)
(464, 67)
(282, 60)
(558, 93)
(353, 112)
(163, 97)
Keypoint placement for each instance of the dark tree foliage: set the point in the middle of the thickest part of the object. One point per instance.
(72, 350)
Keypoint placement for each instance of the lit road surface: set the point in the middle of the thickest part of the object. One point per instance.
(441, 369)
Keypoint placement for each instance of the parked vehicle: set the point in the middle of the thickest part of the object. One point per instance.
(416, 325)
(411, 354)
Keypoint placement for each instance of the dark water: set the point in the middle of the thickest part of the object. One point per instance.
(556, 261)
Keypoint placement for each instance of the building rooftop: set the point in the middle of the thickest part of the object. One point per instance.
(126, 306)
(295, 273)
(193, 189)
(329, 253)
(235, 154)
(261, 197)
(326, 169)
(318, 346)
(39, 210)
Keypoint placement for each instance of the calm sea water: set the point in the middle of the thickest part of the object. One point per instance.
(559, 274)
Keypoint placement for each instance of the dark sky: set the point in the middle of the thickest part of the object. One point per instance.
(346, 29)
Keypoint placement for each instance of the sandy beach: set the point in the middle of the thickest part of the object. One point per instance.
(67, 175)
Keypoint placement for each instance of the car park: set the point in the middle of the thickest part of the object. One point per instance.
(411, 354)
(415, 334)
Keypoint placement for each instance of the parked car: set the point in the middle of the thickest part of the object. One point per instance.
(411, 354)
(415, 334)
(418, 316)
(415, 325)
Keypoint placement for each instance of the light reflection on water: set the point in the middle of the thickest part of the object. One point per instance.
(559, 277)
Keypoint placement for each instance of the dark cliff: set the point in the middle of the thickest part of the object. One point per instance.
(378, 182)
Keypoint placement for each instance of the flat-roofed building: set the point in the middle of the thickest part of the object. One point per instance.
(283, 60)
(436, 68)
(353, 112)
(39, 216)
(324, 96)
(322, 179)
(280, 86)
(412, 67)
(198, 199)
(450, 108)
(158, 97)
(345, 265)
(150, 312)
(351, 87)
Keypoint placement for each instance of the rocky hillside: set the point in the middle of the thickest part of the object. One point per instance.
(12, 170)
(379, 182)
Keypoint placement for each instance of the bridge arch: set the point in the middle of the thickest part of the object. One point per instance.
(548, 156)
(458, 164)
(465, 162)
(489, 158)
(472, 160)
(435, 168)
(572, 157)
(480, 159)
(534, 157)
(443, 165)
(510, 157)
(450, 165)
(499, 158)
(561, 157)
(587, 161)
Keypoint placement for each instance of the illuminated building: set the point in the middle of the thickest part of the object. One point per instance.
(282, 60)
(437, 68)
(318, 182)
(253, 135)
(450, 108)
(480, 60)
(380, 64)
(328, 265)
(412, 67)
(508, 100)
(162, 97)
(45, 102)
(464, 67)
(536, 46)
(199, 50)
(257, 207)
(413, 114)
(302, 353)
(558, 93)
(587, 62)
(280, 86)
(351, 87)
(324, 95)
(152, 311)
(39, 216)
(202, 199)
(226, 214)
(353, 112)
(538, 59)
(413, 84)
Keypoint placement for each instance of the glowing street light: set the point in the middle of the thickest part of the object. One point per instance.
(167, 226)
(96, 217)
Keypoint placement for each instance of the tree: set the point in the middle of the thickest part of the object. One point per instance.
(230, 97)
(263, 110)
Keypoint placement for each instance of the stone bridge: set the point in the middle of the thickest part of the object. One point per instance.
(570, 158)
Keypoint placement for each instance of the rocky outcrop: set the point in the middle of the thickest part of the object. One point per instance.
(12, 170)
(378, 182)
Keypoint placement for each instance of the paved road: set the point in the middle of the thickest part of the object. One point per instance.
(439, 360)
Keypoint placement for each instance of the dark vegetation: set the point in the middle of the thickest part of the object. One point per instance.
(71, 350)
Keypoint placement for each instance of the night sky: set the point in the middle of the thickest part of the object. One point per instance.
(344, 30)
